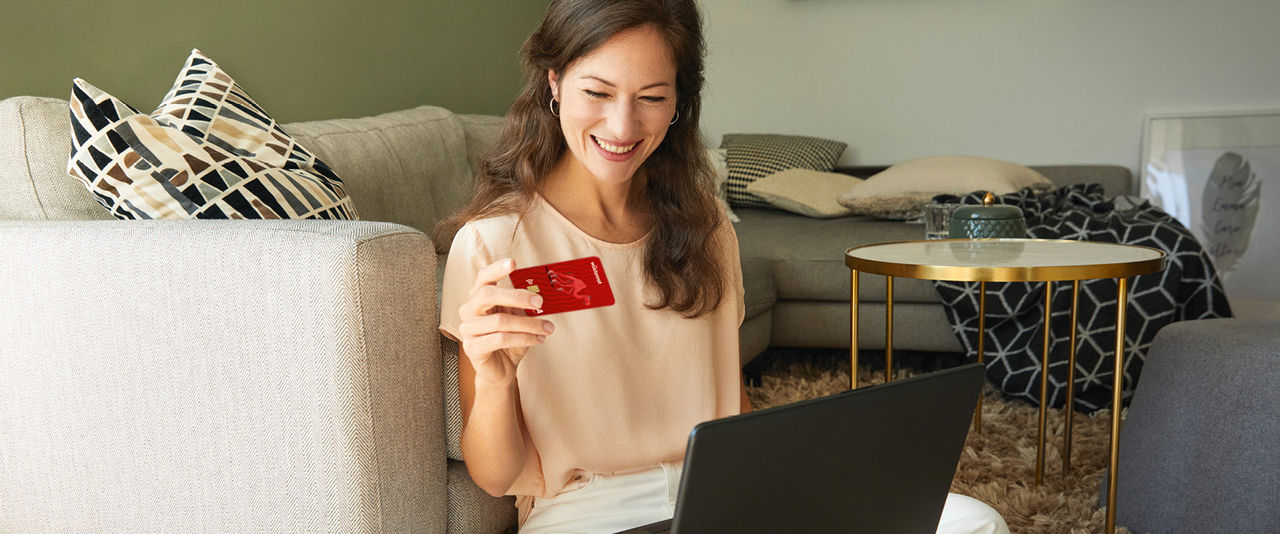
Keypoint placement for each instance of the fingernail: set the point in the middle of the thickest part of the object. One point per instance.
(541, 339)
(548, 327)
(536, 301)
(511, 263)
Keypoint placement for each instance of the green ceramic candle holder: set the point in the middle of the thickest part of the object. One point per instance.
(988, 221)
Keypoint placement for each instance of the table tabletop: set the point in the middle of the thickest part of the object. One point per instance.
(1004, 260)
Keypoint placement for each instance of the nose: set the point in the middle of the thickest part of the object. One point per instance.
(623, 121)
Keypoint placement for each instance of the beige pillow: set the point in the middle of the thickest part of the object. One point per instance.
(804, 191)
(901, 191)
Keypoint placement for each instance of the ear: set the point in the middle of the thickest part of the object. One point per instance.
(554, 81)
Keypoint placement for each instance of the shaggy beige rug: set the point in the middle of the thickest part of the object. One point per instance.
(998, 463)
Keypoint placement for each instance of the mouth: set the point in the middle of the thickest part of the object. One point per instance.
(612, 151)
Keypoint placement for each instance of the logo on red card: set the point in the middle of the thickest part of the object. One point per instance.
(566, 286)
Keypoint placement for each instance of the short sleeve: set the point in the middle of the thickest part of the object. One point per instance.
(734, 260)
(467, 255)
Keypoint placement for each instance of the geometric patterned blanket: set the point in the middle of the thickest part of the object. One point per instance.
(1188, 288)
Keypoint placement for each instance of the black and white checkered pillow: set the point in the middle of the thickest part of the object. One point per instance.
(754, 156)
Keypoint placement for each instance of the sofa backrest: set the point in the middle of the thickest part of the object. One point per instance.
(411, 167)
(1115, 180)
(35, 140)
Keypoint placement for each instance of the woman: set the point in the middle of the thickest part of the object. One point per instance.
(584, 415)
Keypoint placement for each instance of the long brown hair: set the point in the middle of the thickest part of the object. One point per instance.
(680, 259)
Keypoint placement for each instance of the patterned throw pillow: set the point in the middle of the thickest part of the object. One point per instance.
(208, 152)
(754, 156)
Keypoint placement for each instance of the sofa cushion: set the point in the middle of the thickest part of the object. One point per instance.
(901, 191)
(916, 325)
(758, 285)
(409, 167)
(754, 156)
(33, 164)
(208, 152)
(481, 132)
(807, 255)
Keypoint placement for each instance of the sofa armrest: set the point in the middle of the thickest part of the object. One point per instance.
(219, 376)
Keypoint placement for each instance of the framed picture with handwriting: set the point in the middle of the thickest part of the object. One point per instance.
(1219, 175)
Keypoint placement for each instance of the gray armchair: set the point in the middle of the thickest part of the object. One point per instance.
(1200, 448)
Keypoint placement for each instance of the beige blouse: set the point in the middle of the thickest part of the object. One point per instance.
(614, 388)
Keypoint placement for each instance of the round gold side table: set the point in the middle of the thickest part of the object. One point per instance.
(1011, 260)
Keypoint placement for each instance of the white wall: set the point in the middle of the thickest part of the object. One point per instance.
(1031, 81)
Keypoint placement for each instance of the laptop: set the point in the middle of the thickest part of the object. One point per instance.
(876, 459)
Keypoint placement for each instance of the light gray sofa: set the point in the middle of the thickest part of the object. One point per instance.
(265, 376)
(288, 375)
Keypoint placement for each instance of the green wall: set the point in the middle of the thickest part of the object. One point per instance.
(300, 59)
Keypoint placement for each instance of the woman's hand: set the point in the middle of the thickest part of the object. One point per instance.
(495, 332)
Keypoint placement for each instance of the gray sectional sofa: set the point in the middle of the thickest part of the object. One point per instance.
(798, 285)
(288, 375)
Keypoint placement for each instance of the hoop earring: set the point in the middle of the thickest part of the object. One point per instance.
(676, 118)
(552, 105)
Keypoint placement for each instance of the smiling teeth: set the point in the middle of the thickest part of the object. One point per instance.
(614, 148)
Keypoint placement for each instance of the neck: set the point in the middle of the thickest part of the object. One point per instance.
(615, 212)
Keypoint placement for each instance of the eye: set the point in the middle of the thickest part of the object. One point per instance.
(595, 95)
(654, 99)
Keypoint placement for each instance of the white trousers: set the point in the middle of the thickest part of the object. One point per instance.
(605, 503)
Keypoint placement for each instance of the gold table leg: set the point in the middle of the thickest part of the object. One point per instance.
(1044, 385)
(888, 329)
(853, 329)
(1071, 381)
(1122, 298)
(982, 339)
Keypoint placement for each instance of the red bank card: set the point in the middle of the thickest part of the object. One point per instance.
(566, 286)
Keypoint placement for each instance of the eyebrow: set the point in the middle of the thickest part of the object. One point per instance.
(610, 84)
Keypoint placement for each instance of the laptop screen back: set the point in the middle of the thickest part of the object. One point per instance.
(875, 459)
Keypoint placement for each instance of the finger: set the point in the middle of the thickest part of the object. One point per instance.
(490, 274)
(500, 340)
(518, 312)
(505, 322)
(489, 299)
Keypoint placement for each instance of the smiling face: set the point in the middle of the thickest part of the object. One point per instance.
(616, 104)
